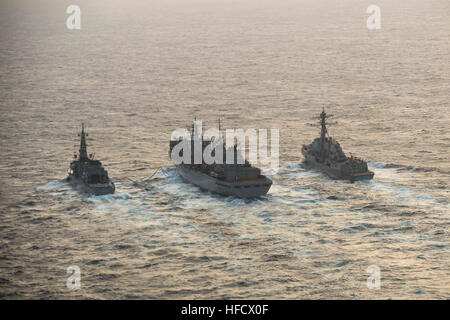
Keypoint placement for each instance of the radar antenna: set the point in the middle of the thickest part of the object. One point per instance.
(322, 123)
(83, 147)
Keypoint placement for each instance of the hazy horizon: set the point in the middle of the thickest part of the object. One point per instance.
(137, 70)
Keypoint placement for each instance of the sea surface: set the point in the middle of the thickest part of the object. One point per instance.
(137, 70)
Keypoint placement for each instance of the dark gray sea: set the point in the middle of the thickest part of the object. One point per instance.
(137, 70)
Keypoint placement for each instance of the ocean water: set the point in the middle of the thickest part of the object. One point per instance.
(137, 70)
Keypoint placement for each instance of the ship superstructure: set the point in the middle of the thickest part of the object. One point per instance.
(238, 178)
(88, 173)
(326, 154)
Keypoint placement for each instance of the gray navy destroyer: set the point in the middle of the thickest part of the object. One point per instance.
(326, 154)
(88, 174)
(237, 179)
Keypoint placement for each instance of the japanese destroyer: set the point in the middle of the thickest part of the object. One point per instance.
(236, 178)
(326, 154)
(88, 174)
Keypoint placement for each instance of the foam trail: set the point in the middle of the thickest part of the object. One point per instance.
(405, 195)
(53, 185)
(109, 197)
(377, 164)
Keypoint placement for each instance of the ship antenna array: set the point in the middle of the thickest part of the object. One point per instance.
(321, 121)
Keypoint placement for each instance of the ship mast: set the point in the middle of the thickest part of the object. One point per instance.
(83, 147)
(220, 132)
(323, 131)
(323, 125)
(193, 137)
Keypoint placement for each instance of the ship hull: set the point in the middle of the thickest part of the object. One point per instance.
(335, 173)
(242, 189)
(95, 189)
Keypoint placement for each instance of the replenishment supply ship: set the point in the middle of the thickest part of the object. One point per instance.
(238, 178)
(88, 174)
(326, 154)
